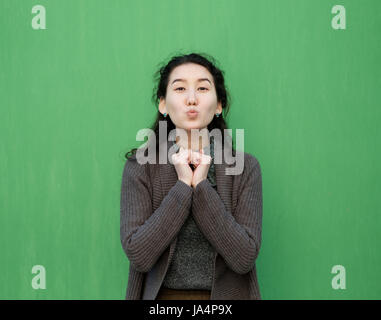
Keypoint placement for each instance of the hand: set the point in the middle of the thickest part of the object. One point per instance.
(202, 163)
(181, 162)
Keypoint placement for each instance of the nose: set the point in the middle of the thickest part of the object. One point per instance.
(191, 99)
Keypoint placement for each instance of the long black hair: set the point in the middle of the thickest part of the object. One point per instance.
(160, 90)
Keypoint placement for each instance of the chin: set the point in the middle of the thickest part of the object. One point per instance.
(194, 125)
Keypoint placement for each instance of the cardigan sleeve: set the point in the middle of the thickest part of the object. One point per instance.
(237, 239)
(145, 234)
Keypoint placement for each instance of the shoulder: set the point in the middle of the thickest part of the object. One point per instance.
(246, 166)
(132, 168)
(244, 163)
(251, 175)
(251, 161)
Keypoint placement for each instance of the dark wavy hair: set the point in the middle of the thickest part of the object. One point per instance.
(161, 78)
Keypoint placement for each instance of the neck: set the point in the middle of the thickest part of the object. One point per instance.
(200, 140)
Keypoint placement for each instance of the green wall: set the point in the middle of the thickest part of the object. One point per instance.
(73, 96)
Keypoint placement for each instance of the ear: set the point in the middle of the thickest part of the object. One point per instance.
(219, 108)
(162, 107)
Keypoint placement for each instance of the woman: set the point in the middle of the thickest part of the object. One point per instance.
(189, 230)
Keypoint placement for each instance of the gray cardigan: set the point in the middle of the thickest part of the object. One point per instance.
(192, 262)
(154, 206)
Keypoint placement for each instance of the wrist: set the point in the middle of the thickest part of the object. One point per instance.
(195, 183)
(186, 182)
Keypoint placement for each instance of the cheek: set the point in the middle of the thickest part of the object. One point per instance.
(211, 105)
(173, 104)
(210, 99)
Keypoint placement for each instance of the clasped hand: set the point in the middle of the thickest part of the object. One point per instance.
(182, 161)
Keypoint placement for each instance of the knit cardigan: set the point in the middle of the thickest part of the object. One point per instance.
(155, 204)
(192, 262)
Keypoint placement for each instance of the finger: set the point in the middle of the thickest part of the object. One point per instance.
(183, 152)
(206, 159)
(195, 156)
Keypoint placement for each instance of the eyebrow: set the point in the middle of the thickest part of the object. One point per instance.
(198, 80)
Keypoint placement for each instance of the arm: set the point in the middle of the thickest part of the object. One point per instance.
(237, 239)
(145, 234)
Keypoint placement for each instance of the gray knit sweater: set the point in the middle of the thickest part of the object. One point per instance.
(192, 263)
(154, 207)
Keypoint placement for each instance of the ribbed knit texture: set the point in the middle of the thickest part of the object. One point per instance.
(154, 207)
(192, 263)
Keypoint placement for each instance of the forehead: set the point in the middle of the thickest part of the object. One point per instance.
(190, 71)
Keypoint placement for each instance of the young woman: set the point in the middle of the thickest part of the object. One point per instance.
(189, 230)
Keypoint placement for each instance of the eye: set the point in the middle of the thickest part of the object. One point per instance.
(177, 89)
(203, 88)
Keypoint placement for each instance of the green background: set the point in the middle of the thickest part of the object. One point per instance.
(73, 97)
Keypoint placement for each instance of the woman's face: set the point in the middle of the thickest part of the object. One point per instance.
(190, 87)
